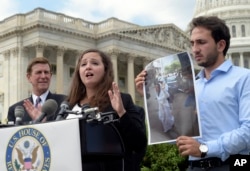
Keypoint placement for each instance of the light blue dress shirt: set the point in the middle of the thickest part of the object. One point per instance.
(224, 107)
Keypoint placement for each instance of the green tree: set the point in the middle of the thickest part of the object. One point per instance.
(173, 67)
(163, 157)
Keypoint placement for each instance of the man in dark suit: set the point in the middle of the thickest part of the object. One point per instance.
(39, 75)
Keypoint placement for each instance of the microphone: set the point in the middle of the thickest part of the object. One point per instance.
(86, 111)
(49, 108)
(19, 113)
(91, 114)
(64, 107)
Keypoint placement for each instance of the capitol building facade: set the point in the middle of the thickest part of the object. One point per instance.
(62, 38)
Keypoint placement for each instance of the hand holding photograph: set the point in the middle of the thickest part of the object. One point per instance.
(170, 103)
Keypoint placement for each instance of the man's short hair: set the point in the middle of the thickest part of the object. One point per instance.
(37, 60)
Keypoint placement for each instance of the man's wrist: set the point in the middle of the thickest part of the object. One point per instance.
(203, 149)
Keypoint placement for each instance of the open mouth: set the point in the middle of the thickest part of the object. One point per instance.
(89, 75)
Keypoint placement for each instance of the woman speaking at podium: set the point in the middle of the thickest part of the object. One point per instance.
(93, 84)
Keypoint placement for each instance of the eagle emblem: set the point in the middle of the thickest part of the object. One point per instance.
(27, 156)
(28, 150)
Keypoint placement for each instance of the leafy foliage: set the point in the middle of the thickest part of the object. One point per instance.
(162, 157)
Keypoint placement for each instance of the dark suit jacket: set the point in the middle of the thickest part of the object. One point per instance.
(131, 129)
(26, 118)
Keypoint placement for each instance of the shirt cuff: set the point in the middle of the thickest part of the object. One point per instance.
(214, 150)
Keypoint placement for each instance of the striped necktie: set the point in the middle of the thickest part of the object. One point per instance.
(38, 100)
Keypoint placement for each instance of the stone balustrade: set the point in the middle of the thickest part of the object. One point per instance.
(53, 19)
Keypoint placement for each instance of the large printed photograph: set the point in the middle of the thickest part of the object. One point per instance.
(170, 103)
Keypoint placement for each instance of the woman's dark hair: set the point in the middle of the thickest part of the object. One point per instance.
(78, 89)
(217, 26)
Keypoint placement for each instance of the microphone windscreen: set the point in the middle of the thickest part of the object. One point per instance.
(49, 107)
(19, 111)
(65, 105)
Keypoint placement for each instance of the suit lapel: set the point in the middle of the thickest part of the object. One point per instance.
(31, 99)
(49, 96)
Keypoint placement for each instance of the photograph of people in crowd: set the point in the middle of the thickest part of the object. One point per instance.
(170, 101)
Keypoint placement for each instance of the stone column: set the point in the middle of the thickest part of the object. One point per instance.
(2, 115)
(39, 49)
(59, 71)
(113, 52)
(15, 85)
(24, 61)
(114, 61)
(6, 72)
(131, 76)
(241, 59)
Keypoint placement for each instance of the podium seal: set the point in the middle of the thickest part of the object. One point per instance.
(28, 150)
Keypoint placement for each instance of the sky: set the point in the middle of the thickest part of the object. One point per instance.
(141, 12)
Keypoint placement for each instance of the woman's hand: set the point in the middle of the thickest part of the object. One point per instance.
(116, 100)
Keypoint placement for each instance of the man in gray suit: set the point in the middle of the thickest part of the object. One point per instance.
(39, 75)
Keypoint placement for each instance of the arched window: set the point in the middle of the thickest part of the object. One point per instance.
(243, 32)
(233, 31)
